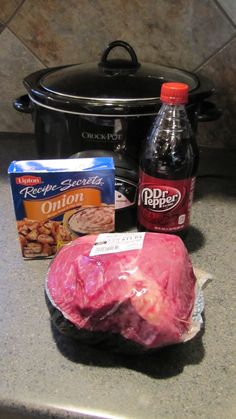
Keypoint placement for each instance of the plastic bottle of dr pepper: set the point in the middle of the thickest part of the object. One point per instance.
(168, 166)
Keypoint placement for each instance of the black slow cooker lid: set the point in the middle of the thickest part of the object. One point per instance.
(114, 80)
(113, 86)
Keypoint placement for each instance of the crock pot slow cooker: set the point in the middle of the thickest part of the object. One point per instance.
(126, 181)
(110, 105)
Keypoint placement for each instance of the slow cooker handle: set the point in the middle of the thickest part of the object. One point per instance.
(23, 104)
(110, 63)
(208, 112)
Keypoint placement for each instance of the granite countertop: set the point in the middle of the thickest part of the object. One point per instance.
(44, 374)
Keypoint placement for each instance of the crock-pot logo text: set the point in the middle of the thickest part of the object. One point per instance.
(101, 136)
(160, 199)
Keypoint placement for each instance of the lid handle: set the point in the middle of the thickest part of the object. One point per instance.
(118, 62)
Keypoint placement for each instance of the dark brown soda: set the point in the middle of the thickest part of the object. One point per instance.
(170, 151)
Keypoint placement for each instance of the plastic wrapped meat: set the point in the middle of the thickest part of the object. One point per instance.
(138, 286)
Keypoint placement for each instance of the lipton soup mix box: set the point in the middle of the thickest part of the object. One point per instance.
(58, 200)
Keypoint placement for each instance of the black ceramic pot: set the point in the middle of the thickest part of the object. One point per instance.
(126, 181)
(110, 105)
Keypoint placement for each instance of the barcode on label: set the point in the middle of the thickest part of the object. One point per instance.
(107, 248)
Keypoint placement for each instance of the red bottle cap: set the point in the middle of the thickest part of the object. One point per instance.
(174, 93)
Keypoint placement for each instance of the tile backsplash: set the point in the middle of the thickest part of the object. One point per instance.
(197, 35)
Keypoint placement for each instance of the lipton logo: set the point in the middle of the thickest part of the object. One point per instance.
(160, 199)
(28, 180)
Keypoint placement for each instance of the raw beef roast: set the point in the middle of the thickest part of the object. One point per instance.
(145, 296)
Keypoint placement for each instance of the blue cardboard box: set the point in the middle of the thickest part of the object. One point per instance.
(58, 200)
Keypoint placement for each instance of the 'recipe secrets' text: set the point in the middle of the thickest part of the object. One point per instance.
(33, 192)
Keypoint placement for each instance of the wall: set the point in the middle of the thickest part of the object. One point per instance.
(198, 35)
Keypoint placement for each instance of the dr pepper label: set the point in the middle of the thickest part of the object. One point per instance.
(164, 205)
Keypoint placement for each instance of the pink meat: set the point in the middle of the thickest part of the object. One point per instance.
(145, 295)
